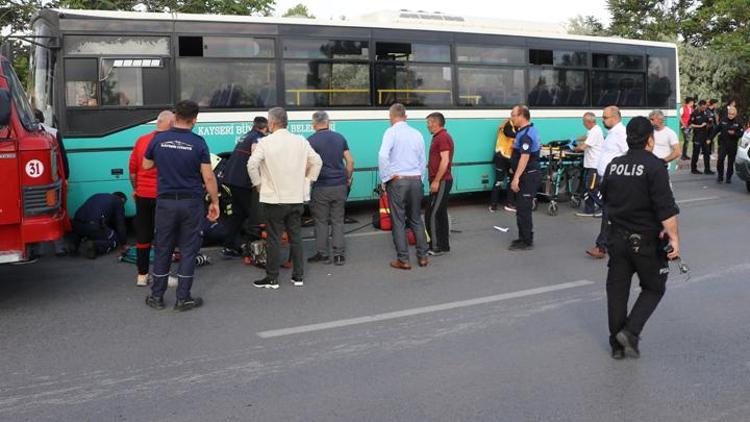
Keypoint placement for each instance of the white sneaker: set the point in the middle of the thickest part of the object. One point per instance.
(298, 283)
(141, 280)
(585, 214)
(172, 281)
(509, 208)
(598, 214)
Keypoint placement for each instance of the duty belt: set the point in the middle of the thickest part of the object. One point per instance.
(177, 196)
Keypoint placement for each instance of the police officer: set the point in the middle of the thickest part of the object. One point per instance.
(245, 203)
(643, 217)
(100, 223)
(526, 174)
(699, 122)
(730, 131)
(184, 166)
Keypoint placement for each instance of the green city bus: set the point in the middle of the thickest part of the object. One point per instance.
(101, 78)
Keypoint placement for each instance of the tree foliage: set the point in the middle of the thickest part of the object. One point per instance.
(713, 38)
(586, 25)
(300, 10)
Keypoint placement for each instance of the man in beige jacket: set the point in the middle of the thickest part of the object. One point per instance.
(281, 168)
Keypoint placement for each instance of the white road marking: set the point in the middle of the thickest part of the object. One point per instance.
(707, 198)
(421, 310)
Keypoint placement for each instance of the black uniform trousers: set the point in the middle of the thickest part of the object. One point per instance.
(245, 207)
(145, 211)
(502, 171)
(178, 223)
(528, 187)
(701, 146)
(104, 238)
(282, 217)
(436, 218)
(650, 264)
(728, 151)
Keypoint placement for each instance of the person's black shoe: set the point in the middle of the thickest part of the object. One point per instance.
(298, 281)
(89, 249)
(629, 342)
(319, 257)
(339, 260)
(709, 172)
(266, 283)
(696, 172)
(729, 181)
(155, 302)
(188, 304)
(520, 245)
(230, 253)
(435, 252)
(618, 353)
(719, 180)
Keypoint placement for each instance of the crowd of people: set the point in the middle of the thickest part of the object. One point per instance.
(272, 173)
(701, 122)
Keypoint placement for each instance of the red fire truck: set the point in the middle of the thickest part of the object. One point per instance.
(32, 182)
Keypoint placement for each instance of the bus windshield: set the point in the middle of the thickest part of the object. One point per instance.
(23, 108)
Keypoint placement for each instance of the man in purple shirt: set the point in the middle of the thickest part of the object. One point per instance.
(401, 165)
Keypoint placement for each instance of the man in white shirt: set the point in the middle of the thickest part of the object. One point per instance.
(281, 168)
(615, 145)
(666, 143)
(591, 147)
(401, 166)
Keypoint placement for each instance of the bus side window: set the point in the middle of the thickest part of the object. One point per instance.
(81, 83)
(134, 81)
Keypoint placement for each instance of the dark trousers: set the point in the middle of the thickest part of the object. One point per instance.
(145, 210)
(592, 199)
(701, 147)
(528, 187)
(281, 217)
(104, 238)
(178, 223)
(436, 217)
(327, 204)
(652, 268)
(728, 151)
(245, 206)
(601, 239)
(502, 170)
(405, 197)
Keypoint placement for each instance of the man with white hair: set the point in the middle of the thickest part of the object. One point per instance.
(330, 191)
(144, 192)
(280, 166)
(666, 143)
(730, 131)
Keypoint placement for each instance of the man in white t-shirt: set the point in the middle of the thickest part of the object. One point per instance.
(591, 147)
(615, 145)
(666, 143)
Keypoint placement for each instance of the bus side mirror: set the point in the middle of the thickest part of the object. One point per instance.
(4, 107)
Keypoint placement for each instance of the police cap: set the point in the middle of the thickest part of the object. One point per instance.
(639, 129)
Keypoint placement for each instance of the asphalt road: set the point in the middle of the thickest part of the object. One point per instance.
(480, 334)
